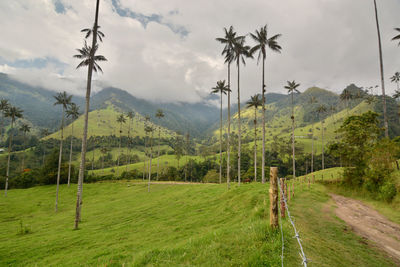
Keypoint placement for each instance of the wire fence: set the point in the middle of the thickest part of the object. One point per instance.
(296, 233)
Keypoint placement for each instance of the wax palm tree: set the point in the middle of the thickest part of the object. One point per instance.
(229, 40)
(72, 113)
(44, 133)
(121, 119)
(292, 89)
(89, 59)
(146, 121)
(25, 128)
(255, 101)
(321, 110)
(64, 100)
(240, 52)
(312, 101)
(221, 89)
(103, 151)
(345, 96)
(13, 113)
(130, 116)
(149, 130)
(385, 119)
(262, 43)
(159, 116)
(4, 105)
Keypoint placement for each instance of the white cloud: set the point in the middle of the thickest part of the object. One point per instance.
(325, 43)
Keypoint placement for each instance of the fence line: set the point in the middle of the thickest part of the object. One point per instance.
(297, 236)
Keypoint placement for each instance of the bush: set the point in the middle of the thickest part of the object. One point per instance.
(387, 191)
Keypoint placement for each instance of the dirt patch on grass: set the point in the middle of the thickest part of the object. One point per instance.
(369, 224)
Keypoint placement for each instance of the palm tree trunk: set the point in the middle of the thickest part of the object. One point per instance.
(312, 148)
(60, 158)
(255, 144)
(23, 154)
(228, 149)
(127, 162)
(293, 149)
(85, 127)
(151, 156)
(239, 130)
(145, 157)
(385, 119)
(102, 164)
(119, 147)
(263, 121)
(158, 152)
(94, 148)
(9, 157)
(323, 160)
(220, 142)
(70, 154)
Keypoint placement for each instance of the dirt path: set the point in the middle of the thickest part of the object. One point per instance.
(369, 224)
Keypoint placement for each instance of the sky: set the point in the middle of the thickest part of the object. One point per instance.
(166, 50)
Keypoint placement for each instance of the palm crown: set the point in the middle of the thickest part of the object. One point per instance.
(262, 40)
(397, 37)
(321, 109)
(160, 113)
(220, 88)
(229, 40)
(13, 113)
(241, 51)
(395, 78)
(85, 54)
(4, 105)
(25, 128)
(130, 115)
(255, 101)
(73, 111)
(121, 119)
(292, 87)
(63, 99)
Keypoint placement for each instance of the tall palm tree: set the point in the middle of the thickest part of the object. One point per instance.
(44, 133)
(90, 31)
(64, 100)
(159, 115)
(229, 40)
(146, 121)
(130, 116)
(89, 59)
(385, 119)
(121, 119)
(221, 89)
(321, 109)
(103, 151)
(4, 105)
(262, 43)
(255, 101)
(240, 52)
(149, 130)
(25, 128)
(73, 113)
(345, 96)
(312, 101)
(13, 113)
(292, 89)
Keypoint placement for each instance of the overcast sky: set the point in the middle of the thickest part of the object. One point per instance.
(165, 50)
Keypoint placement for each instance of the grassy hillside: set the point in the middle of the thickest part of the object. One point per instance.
(173, 225)
(103, 122)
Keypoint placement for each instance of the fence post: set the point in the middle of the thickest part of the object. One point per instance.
(288, 189)
(309, 181)
(283, 211)
(292, 190)
(273, 197)
(313, 178)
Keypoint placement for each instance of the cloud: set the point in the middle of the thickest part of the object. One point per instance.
(166, 50)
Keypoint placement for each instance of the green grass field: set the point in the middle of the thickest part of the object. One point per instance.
(173, 225)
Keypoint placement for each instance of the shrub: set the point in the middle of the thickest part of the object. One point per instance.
(387, 191)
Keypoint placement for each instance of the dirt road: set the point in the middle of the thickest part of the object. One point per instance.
(369, 224)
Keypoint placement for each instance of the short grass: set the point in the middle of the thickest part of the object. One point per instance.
(173, 225)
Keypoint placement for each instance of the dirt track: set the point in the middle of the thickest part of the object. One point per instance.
(369, 224)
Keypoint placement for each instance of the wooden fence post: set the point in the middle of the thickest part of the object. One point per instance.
(273, 197)
(309, 181)
(282, 202)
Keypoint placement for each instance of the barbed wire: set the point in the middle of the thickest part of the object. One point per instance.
(296, 233)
